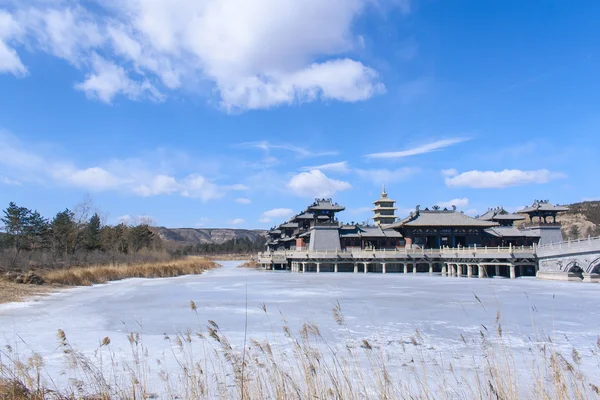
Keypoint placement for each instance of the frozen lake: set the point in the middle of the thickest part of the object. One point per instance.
(384, 309)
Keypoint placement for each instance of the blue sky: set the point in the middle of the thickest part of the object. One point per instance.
(231, 113)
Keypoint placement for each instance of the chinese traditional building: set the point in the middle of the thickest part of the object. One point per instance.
(548, 232)
(385, 212)
(506, 233)
(438, 228)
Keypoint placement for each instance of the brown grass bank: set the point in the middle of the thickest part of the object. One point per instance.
(56, 279)
(86, 276)
(11, 291)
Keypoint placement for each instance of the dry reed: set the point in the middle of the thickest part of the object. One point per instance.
(303, 365)
(86, 276)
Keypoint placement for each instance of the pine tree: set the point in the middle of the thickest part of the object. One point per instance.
(574, 232)
(140, 236)
(64, 230)
(92, 240)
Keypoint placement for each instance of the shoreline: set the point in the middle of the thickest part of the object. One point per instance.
(12, 292)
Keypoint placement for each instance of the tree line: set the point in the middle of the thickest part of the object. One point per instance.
(71, 237)
(79, 237)
(232, 246)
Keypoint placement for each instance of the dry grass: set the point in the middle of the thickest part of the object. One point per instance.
(86, 276)
(11, 291)
(304, 365)
(250, 264)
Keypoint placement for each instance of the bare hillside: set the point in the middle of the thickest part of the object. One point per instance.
(207, 236)
(582, 220)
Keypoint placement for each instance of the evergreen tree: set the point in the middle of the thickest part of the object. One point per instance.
(92, 239)
(15, 223)
(64, 231)
(140, 236)
(574, 232)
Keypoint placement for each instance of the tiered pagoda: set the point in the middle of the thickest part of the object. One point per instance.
(385, 212)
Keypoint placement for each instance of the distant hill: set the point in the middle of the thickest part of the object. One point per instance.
(582, 220)
(207, 236)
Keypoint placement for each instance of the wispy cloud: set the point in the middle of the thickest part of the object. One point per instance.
(460, 203)
(341, 167)
(135, 176)
(300, 152)
(386, 176)
(423, 149)
(243, 200)
(501, 179)
(276, 213)
(8, 181)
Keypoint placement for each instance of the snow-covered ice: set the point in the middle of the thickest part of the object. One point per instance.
(385, 309)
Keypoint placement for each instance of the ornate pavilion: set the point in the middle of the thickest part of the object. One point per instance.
(318, 229)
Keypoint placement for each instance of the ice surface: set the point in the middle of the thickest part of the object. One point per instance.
(385, 309)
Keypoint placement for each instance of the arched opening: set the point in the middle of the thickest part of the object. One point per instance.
(574, 268)
(594, 267)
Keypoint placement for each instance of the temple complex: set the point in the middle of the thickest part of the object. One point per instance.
(497, 243)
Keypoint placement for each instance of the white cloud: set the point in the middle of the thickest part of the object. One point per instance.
(386, 176)
(94, 178)
(449, 172)
(501, 179)
(8, 181)
(315, 183)
(159, 185)
(9, 59)
(278, 213)
(109, 79)
(460, 203)
(257, 54)
(341, 167)
(237, 221)
(426, 148)
(238, 187)
(301, 152)
(138, 176)
(243, 200)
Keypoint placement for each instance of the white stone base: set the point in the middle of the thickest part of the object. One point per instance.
(594, 278)
(559, 276)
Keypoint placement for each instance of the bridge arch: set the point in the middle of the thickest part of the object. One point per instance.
(594, 267)
(574, 268)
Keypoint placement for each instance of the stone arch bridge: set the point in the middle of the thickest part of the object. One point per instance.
(570, 260)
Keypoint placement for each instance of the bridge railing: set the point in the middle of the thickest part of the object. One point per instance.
(390, 253)
(573, 245)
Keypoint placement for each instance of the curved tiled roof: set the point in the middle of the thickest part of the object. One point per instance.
(543, 205)
(440, 218)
